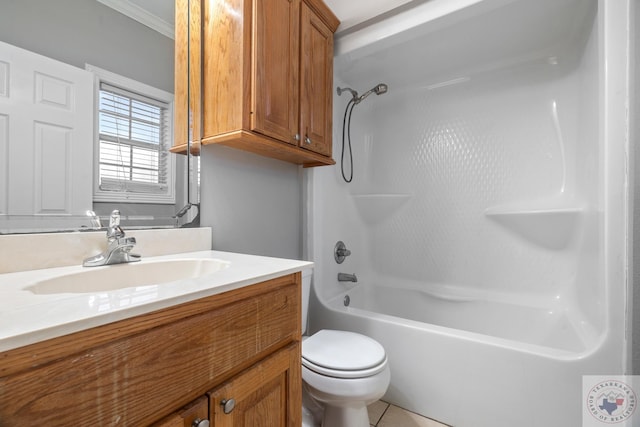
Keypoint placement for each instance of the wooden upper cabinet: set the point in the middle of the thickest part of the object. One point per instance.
(274, 106)
(265, 73)
(316, 83)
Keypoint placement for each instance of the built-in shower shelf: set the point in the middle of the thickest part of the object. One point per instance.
(375, 207)
(551, 228)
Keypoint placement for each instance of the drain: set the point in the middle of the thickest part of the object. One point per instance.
(347, 300)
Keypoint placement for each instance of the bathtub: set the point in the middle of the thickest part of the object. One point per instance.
(479, 374)
(489, 211)
(543, 326)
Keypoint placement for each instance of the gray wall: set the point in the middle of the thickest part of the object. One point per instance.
(85, 31)
(253, 203)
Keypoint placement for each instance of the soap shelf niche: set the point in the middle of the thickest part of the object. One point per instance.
(375, 207)
(551, 227)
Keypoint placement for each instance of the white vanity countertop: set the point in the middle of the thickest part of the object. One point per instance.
(26, 318)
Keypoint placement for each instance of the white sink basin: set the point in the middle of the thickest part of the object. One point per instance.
(120, 276)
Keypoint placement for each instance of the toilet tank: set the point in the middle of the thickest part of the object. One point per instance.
(306, 291)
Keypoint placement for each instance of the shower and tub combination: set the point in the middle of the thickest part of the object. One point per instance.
(488, 207)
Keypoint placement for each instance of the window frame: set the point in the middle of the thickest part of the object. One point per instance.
(127, 84)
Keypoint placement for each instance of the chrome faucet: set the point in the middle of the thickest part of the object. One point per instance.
(344, 277)
(119, 247)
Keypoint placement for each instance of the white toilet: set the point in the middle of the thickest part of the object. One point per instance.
(342, 373)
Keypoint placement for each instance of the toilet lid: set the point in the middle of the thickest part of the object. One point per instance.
(341, 351)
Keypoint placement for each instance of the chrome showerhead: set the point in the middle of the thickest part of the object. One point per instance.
(378, 89)
(381, 88)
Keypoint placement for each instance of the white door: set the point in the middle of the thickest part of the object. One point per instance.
(46, 135)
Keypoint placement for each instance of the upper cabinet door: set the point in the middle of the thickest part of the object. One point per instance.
(274, 95)
(316, 83)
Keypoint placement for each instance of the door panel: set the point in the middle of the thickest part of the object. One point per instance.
(316, 84)
(46, 135)
(266, 395)
(275, 69)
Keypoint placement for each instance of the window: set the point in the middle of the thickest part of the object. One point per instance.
(133, 137)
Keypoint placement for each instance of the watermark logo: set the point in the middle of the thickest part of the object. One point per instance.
(608, 400)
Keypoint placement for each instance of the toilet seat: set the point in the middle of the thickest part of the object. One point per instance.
(343, 354)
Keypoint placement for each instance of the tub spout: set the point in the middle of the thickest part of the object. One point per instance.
(344, 277)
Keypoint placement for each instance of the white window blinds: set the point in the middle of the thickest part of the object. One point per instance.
(134, 140)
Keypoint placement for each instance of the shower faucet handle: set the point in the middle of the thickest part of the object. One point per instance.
(340, 252)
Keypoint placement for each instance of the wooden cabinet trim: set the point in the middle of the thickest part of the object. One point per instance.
(187, 74)
(324, 13)
(180, 85)
(264, 146)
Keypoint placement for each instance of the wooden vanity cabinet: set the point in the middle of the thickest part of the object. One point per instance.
(189, 416)
(261, 396)
(160, 368)
(265, 394)
(265, 74)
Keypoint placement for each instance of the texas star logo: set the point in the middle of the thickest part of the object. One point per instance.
(611, 401)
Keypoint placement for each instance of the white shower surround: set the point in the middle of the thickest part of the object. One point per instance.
(489, 210)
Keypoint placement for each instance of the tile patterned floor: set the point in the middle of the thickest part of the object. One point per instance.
(382, 414)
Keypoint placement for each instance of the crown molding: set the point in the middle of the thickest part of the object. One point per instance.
(141, 15)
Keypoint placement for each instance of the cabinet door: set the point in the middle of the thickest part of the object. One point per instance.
(275, 69)
(269, 394)
(190, 416)
(316, 83)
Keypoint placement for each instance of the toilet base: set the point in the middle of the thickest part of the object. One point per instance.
(308, 420)
(352, 416)
(343, 401)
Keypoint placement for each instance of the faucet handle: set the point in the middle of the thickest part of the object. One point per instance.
(340, 252)
(114, 232)
(114, 220)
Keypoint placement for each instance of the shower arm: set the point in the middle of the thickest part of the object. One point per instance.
(354, 94)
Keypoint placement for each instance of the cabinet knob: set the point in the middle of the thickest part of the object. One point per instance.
(297, 137)
(228, 405)
(200, 423)
(307, 140)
